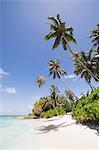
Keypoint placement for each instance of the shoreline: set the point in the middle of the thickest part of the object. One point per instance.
(56, 133)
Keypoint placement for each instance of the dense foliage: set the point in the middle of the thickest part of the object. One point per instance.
(87, 109)
(52, 112)
(46, 107)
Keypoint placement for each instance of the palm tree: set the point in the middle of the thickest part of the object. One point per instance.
(88, 60)
(95, 37)
(56, 70)
(49, 104)
(70, 96)
(60, 32)
(40, 80)
(96, 59)
(64, 35)
(54, 93)
(95, 40)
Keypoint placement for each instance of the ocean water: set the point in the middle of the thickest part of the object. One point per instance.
(14, 133)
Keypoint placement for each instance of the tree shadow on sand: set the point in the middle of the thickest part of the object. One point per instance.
(52, 127)
(94, 126)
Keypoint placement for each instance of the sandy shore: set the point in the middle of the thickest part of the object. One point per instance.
(57, 133)
(62, 133)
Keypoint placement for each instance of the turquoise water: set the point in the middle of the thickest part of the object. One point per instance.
(13, 132)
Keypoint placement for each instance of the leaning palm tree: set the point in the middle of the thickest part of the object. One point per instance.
(64, 35)
(88, 60)
(57, 71)
(40, 80)
(54, 93)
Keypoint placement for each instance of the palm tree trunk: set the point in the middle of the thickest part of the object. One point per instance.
(53, 107)
(67, 86)
(91, 86)
(83, 64)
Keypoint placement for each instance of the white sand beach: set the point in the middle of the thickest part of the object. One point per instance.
(57, 133)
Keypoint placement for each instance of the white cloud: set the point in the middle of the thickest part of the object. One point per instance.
(8, 90)
(3, 73)
(70, 76)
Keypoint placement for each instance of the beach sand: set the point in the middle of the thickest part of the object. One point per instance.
(61, 133)
(57, 133)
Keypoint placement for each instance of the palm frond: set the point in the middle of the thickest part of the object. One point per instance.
(64, 44)
(58, 18)
(57, 41)
(90, 54)
(70, 38)
(54, 20)
(50, 35)
(53, 27)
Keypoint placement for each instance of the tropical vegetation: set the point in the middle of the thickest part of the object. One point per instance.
(87, 108)
(48, 107)
(85, 65)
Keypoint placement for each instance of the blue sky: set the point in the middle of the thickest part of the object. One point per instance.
(24, 54)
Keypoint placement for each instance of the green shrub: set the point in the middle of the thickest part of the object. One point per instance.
(87, 109)
(38, 107)
(67, 106)
(61, 110)
(52, 112)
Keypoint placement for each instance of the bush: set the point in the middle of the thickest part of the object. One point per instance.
(52, 112)
(87, 109)
(38, 107)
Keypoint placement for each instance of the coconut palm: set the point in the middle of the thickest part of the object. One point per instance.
(64, 35)
(95, 40)
(69, 96)
(50, 104)
(54, 93)
(96, 60)
(40, 80)
(60, 32)
(57, 71)
(88, 60)
(95, 37)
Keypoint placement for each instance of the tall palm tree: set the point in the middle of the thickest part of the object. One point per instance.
(54, 93)
(40, 80)
(60, 33)
(95, 40)
(95, 37)
(57, 71)
(88, 60)
(96, 59)
(64, 35)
